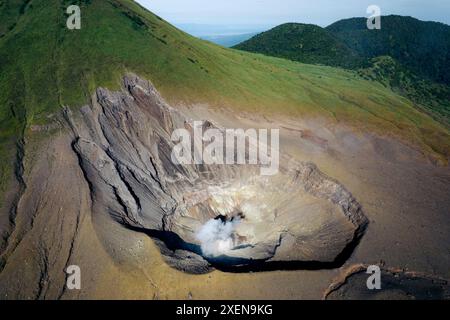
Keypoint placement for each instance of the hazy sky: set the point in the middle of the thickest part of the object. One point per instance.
(274, 12)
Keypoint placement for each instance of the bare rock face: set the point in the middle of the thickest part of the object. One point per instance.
(396, 284)
(203, 216)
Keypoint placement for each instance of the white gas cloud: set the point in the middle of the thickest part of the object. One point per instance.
(216, 237)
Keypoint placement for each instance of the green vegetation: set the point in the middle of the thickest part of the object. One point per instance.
(432, 97)
(410, 56)
(45, 66)
(305, 43)
(422, 47)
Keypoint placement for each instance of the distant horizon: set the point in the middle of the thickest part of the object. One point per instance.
(259, 15)
(198, 29)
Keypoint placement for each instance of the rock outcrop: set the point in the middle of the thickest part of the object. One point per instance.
(396, 284)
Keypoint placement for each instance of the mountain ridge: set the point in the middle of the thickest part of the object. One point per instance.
(306, 43)
(408, 41)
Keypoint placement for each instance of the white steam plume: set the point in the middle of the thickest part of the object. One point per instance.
(216, 237)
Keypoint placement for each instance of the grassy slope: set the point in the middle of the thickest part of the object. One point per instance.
(432, 97)
(44, 66)
(421, 51)
(349, 44)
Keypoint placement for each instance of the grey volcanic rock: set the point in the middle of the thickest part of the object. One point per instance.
(396, 284)
(297, 218)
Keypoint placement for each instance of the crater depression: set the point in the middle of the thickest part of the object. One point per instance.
(202, 216)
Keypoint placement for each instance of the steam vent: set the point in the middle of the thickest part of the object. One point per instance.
(204, 217)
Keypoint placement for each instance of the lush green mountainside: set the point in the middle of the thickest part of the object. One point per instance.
(304, 43)
(420, 52)
(432, 97)
(418, 67)
(423, 47)
(45, 66)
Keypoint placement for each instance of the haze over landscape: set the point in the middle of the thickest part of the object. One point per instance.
(231, 22)
(273, 13)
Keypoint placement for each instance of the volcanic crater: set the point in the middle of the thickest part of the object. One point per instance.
(202, 217)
